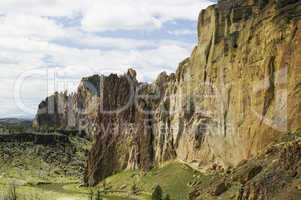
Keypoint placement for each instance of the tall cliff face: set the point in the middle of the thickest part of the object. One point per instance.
(238, 92)
(242, 80)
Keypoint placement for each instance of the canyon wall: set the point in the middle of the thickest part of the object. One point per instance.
(238, 91)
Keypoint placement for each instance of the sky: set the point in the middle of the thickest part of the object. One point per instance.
(49, 45)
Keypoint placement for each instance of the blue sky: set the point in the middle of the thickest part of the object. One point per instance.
(49, 45)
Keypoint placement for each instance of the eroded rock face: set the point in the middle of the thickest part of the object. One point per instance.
(238, 92)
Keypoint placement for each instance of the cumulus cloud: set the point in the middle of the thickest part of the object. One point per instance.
(99, 15)
(42, 7)
(37, 44)
(131, 14)
(20, 25)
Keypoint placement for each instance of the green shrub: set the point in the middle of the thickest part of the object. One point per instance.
(157, 193)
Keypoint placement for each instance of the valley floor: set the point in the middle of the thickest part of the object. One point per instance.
(176, 179)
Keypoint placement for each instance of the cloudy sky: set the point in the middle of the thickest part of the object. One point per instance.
(48, 45)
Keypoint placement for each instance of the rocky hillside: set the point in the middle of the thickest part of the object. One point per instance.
(274, 174)
(238, 92)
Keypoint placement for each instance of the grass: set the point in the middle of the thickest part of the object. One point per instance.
(174, 178)
(48, 171)
(33, 168)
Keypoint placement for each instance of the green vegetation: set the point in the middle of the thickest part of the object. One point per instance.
(95, 195)
(135, 189)
(171, 181)
(54, 172)
(98, 195)
(42, 170)
(158, 193)
(175, 180)
(11, 125)
(10, 194)
(42, 164)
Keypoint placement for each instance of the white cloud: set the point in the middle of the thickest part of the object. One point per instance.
(32, 41)
(42, 7)
(182, 32)
(20, 25)
(132, 14)
(87, 40)
(112, 15)
(99, 15)
(73, 63)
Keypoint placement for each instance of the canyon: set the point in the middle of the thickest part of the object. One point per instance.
(237, 93)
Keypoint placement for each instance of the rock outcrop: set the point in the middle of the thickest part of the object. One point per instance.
(239, 91)
(273, 174)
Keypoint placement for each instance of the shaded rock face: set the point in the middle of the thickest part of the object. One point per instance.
(238, 92)
(125, 135)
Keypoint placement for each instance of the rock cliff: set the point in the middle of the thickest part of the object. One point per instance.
(238, 91)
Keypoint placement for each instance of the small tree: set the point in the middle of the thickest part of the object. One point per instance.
(157, 193)
(98, 196)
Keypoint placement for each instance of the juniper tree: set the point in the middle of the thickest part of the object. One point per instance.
(157, 193)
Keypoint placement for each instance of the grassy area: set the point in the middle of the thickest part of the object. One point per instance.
(32, 163)
(176, 180)
(54, 172)
(33, 168)
(35, 193)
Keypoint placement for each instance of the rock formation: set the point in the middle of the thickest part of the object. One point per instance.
(272, 174)
(239, 91)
